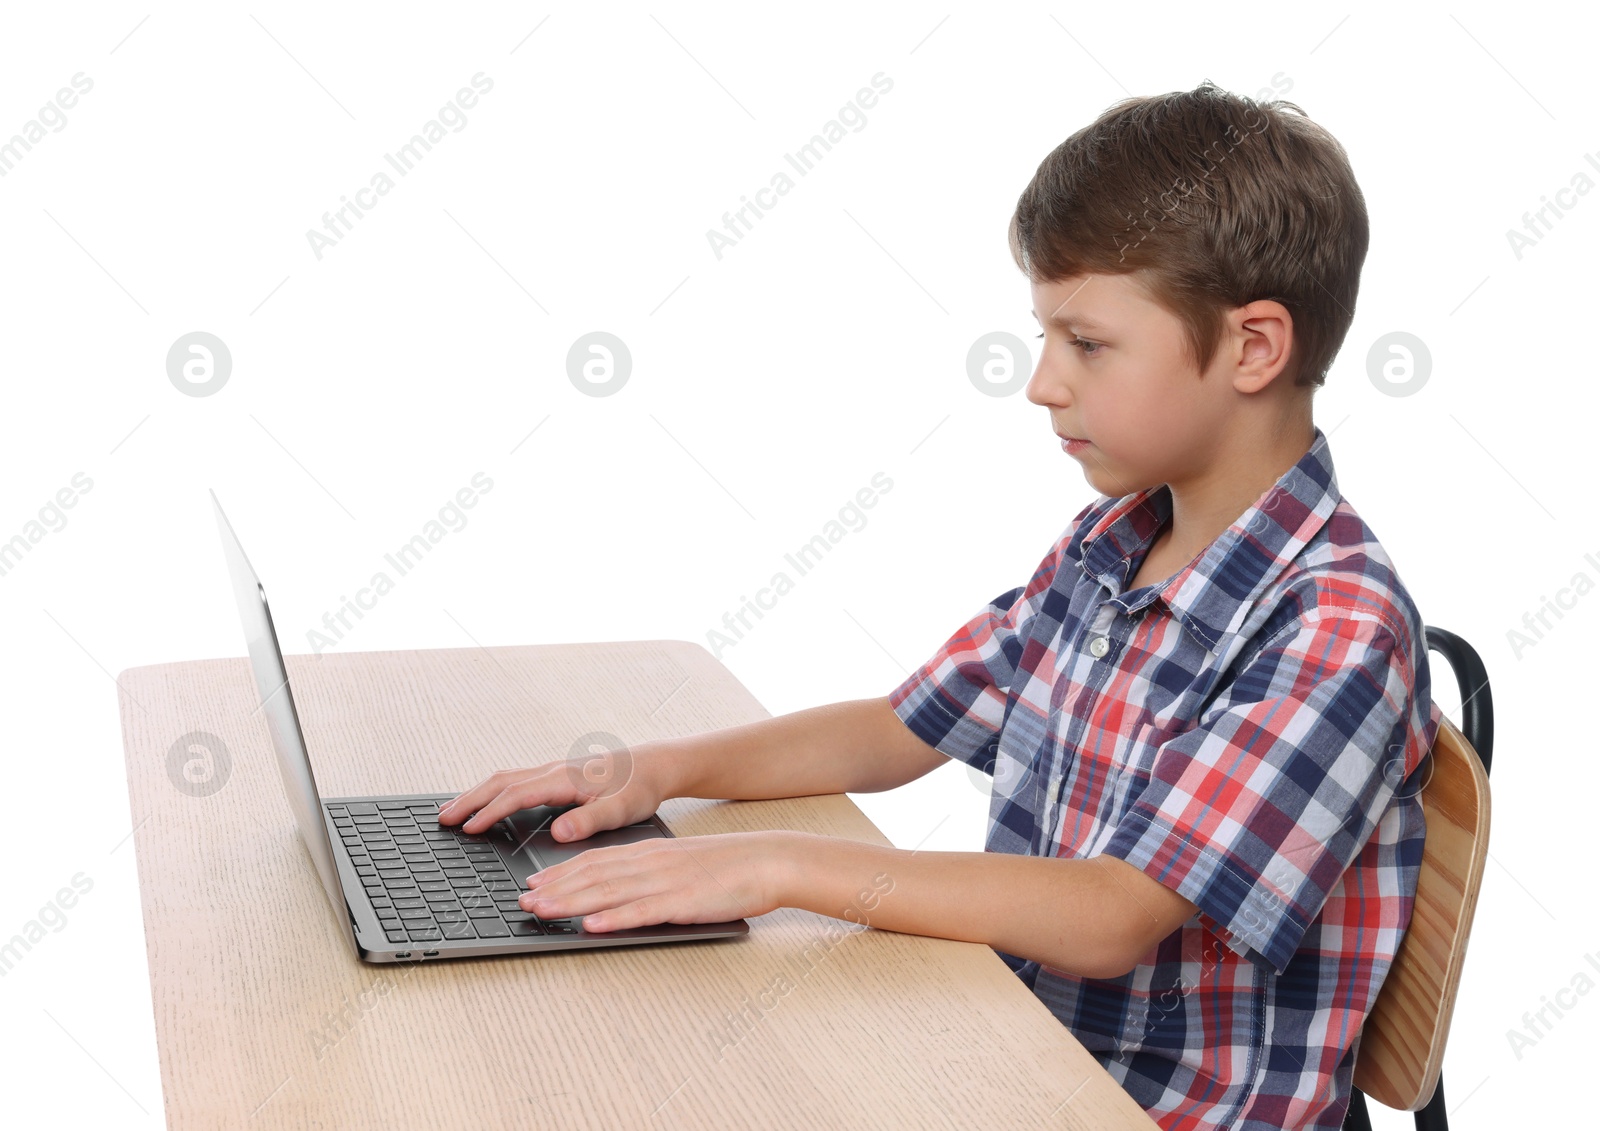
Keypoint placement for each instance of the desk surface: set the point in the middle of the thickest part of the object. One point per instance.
(265, 1018)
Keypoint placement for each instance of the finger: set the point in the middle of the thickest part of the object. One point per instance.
(524, 794)
(589, 818)
(506, 792)
(645, 912)
(588, 896)
(585, 869)
(468, 801)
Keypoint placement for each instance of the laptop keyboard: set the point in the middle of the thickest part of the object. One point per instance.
(430, 883)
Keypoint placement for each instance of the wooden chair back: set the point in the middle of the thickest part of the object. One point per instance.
(1402, 1042)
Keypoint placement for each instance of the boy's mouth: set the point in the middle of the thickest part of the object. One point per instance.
(1072, 445)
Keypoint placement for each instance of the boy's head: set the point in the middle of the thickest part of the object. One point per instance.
(1237, 225)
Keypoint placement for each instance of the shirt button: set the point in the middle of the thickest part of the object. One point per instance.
(1099, 646)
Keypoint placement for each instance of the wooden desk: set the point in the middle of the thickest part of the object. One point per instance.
(265, 1018)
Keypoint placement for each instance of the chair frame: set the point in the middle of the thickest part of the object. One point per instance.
(1403, 1081)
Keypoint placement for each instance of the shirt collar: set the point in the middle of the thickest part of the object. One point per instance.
(1212, 595)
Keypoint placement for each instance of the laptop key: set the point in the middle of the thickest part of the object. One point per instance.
(432, 885)
(482, 912)
(415, 913)
(449, 915)
(525, 930)
(426, 934)
(457, 930)
(409, 901)
(491, 928)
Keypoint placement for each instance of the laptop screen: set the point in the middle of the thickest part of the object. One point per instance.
(277, 704)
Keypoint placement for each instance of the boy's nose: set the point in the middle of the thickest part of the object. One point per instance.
(1047, 389)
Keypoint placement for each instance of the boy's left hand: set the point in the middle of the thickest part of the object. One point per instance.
(692, 879)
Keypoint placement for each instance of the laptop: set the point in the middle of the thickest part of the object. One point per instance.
(403, 887)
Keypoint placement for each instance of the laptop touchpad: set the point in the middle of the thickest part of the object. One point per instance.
(547, 850)
(531, 827)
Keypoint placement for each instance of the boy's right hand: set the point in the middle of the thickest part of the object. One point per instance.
(611, 789)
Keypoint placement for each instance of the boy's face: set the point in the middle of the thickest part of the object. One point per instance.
(1117, 380)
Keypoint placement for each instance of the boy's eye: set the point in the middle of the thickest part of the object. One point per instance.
(1090, 349)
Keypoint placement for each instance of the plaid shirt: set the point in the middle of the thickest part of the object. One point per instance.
(1249, 733)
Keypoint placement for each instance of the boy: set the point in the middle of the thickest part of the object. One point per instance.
(1206, 710)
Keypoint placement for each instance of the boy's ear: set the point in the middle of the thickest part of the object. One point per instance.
(1264, 335)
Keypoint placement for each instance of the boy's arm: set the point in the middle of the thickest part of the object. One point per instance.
(1095, 917)
(859, 746)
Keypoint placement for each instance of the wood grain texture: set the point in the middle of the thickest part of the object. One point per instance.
(1402, 1043)
(266, 1019)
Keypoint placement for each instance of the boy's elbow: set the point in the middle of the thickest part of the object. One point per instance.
(1118, 953)
(1138, 913)
(1109, 963)
(1108, 950)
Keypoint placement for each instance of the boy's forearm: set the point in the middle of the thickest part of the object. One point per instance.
(1093, 917)
(859, 746)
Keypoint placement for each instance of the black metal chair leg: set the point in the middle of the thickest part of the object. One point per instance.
(1355, 1116)
(1432, 1117)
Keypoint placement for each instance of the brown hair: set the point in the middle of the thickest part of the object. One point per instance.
(1215, 200)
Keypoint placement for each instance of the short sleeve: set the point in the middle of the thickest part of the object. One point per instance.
(1255, 814)
(956, 701)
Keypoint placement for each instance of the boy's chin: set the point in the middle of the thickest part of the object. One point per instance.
(1108, 482)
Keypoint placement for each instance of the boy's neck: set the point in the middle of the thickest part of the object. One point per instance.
(1206, 504)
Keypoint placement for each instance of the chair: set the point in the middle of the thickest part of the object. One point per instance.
(1402, 1042)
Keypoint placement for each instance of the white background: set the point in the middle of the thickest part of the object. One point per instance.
(768, 387)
